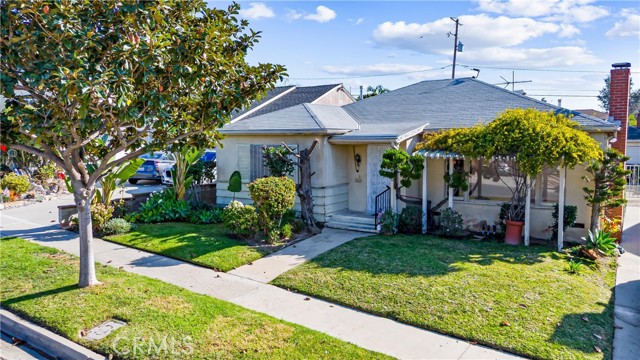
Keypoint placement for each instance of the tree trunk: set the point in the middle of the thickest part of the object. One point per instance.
(305, 193)
(595, 217)
(82, 196)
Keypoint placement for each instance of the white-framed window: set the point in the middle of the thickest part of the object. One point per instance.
(251, 161)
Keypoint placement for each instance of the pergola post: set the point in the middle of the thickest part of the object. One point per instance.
(563, 185)
(450, 188)
(424, 198)
(527, 216)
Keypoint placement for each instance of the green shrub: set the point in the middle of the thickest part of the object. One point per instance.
(241, 220)
(410, 220)
(272, 196)
(389, 222)
(100, 214)
(116, 226)
(574, 267)
(451, 222)
(289, 216)
(570, 215)
(162, 206)
(600, 241)
(205, 216)
(19, 184)
(286, 231)
(273, 236)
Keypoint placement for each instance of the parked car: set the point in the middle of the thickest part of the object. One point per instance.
(153, 167)
(209, 169)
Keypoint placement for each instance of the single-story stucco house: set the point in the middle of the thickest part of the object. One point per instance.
(352, 138)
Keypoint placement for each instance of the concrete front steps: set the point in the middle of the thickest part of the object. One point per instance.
(352, 221)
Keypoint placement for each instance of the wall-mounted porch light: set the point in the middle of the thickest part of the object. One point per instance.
(357, 160)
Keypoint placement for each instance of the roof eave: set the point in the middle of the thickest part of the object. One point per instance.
(287, 132)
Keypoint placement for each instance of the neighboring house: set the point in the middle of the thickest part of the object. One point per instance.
(283, 97)
(364, 130)
(633, 145)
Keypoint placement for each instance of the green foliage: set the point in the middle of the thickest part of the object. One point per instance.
(389, 222)
(116, 226)
(235, 183)
(184, 157)
(100, 215)
(398, 165)
(276, 159)
(457, 180)
(298, 225)
(410, 220)
(609, 177)
(570, 215)
(206, 216)
(272, 196)
(286, 231)
(535, 138)
(574, 267)
(162, 206)
(47, 171)
(600, 241)
(116, 177)
(241, 220)
(451, 222)
(374, 91)
(16, 183)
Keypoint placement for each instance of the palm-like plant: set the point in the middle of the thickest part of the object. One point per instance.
(600, 241)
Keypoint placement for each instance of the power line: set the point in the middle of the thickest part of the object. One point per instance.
(539, 70)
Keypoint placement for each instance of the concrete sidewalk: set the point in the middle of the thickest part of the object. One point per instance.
(365, 330)
(271, 266)
(626, 339)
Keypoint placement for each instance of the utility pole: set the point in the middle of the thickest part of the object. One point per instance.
(455, 46)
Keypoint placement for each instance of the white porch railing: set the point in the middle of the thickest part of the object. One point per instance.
(633, 181)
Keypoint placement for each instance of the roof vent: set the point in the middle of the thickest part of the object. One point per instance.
(624, 65)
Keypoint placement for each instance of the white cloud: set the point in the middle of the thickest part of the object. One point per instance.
(374, 69)
(552, 10)
(357, 21)
(480, 30)
(293, 15)
(629, 26)
(531, 57)
(257, 10)
(322, 15)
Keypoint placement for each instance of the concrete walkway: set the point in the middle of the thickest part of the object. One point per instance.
(626, 339)
(365, 330)
(271, 266)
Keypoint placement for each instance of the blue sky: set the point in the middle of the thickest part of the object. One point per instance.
(565, 47)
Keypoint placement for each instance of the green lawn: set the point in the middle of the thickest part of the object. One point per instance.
(206, 245)
(514, 298)
(39, 283)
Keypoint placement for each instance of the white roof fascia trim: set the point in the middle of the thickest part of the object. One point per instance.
(262, 105)
(412, 133)
(327, 93)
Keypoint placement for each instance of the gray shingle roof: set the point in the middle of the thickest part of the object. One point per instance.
(304, 118)
(299, 95)
(450, 104)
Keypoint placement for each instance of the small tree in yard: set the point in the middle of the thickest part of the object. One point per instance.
(277, 160)
(272, 196)
(235, 183)
(402, 168)
(141, 74)
(609, 177)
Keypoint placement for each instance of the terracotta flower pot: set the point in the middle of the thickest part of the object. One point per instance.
(513, 233)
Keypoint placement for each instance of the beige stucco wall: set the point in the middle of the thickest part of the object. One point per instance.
(337, 97)
(330, 188)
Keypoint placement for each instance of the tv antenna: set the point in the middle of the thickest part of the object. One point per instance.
(513, 81)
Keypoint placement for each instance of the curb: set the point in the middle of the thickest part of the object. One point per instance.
(43, 339)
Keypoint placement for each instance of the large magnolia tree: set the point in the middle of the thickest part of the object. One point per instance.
(87, 80)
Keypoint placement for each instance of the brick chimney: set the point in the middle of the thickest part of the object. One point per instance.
(619, 102)
(619, 111)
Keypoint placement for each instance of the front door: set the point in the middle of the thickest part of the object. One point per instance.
(375, 182)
